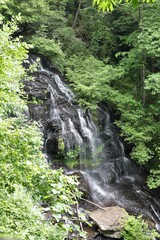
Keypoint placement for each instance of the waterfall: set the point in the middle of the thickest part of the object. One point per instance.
(113, 179)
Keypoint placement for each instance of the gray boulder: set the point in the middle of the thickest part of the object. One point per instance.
(110, 220)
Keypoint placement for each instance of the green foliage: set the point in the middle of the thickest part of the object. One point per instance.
(72, 157)
(50, 49)
(30, 10)
(11, 71)
(153, 180)
(22, 163)
(25, 178)
(137, 229)
(22, 219)
(140, 123)
(50, 35)
(17, 147)
(148, 38)
(90, 79)
(94, 29)
(70, 43)
(152, 83)
(105, 4)
(61, 145)
(109, 5)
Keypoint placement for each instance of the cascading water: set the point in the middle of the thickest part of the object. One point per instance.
(112, 178)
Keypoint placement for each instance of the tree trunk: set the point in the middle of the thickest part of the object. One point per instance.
(143, 70)
(77, 13)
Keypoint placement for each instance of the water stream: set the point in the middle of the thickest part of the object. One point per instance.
(113, 179)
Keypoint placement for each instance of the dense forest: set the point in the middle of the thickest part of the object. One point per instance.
(110, 57)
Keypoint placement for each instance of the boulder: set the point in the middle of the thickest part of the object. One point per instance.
(110, 220)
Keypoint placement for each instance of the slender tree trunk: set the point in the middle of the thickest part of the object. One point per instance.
(143, 75)
(152, 65)
(77, 13)
(159, 113)
(143, 66)
(139, 13)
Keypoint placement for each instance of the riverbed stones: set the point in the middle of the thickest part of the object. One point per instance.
(110, 220)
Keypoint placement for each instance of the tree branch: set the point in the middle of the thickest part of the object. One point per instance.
(93, 204)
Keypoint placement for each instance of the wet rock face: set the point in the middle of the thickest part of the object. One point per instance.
(110, 221)
(44, 95)
(51, 103)
(38, 94)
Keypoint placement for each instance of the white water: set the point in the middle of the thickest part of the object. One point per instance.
(77, 136)
(63, 88)
(87, 132)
